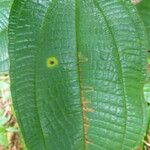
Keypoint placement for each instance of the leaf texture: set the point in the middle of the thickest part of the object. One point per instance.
(77, 74)
(4, 13)
(144, 11)
(147, 92)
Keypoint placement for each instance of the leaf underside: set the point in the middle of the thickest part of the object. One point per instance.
(4, 13)
(93, 98)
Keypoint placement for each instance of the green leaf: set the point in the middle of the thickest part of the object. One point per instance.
(149, 119)
(144, 11)
(12, 129)
(3, 120)
(4, 14)
(147, 92)
(2, 129)
(77, 74)
(3, 140)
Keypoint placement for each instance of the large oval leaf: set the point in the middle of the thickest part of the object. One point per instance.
(4, 14)
(77, 74)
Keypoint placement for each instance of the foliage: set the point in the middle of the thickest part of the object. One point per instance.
(92, 98)
(5, 6)
(144, 11)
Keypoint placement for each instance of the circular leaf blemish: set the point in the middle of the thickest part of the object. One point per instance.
(52, 62)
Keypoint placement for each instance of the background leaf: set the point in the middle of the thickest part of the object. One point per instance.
(147, 92)
(3, 140)
(144, 11)
(5, 6)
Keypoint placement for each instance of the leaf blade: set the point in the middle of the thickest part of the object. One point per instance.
(93, 67)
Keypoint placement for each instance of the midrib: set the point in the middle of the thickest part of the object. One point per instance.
(82, 99)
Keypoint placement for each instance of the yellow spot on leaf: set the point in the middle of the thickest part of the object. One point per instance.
(52, 62)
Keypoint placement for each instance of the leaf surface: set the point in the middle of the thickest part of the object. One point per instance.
(77, 74)
(144, 11)
(4, 14)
